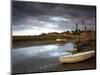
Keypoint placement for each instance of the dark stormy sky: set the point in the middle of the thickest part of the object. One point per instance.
(34, 18)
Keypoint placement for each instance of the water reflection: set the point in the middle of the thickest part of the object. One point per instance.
(44, 51)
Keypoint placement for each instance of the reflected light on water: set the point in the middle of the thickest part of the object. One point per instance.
(50, 47)
(57, 54)
(43, 51)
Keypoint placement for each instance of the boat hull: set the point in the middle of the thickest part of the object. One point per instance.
(77, 57)
(61, 40)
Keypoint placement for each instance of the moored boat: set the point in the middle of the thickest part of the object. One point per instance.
(61, 40)
(78, 57)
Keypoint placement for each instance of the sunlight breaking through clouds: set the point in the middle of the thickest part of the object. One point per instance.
(51, 25)
(34, 18)
(59, 19)
(35, 28)
(34, 31)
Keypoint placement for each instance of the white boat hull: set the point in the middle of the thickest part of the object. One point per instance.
(77, 57)
(60, 39)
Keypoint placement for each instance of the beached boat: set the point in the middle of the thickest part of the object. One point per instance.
(78, 57)
(61, 40)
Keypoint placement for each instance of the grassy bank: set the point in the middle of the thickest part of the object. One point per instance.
(54, 36)
(38, 38)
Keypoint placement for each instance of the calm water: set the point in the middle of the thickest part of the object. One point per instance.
(44, 51)
(42, 58)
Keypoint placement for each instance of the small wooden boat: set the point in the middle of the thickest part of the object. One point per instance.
(78, 57)
(61, 40)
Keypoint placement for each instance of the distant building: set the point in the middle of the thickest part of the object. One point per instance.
(52, 34)
(67, 33)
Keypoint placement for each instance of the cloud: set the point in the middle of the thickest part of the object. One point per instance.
(47, 17)
(36, 28)
(59, 19)
(51, 25)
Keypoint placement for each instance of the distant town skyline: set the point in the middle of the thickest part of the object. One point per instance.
(34, 18)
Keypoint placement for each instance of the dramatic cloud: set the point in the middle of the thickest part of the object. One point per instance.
(33, 18)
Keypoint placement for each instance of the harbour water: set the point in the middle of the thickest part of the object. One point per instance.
(44, 58)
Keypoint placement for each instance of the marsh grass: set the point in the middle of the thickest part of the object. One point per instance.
(73, 51)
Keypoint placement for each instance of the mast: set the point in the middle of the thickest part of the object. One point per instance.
(76, 31)
(82, 24)
(85, 28)
(77, 37)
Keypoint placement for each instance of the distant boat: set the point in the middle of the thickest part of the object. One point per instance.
(61, 39)
(78, 57)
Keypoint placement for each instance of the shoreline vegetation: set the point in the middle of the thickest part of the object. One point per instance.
(49, 38)
(80, 35)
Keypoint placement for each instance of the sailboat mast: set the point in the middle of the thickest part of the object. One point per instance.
(82, 24)
(76, 31)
